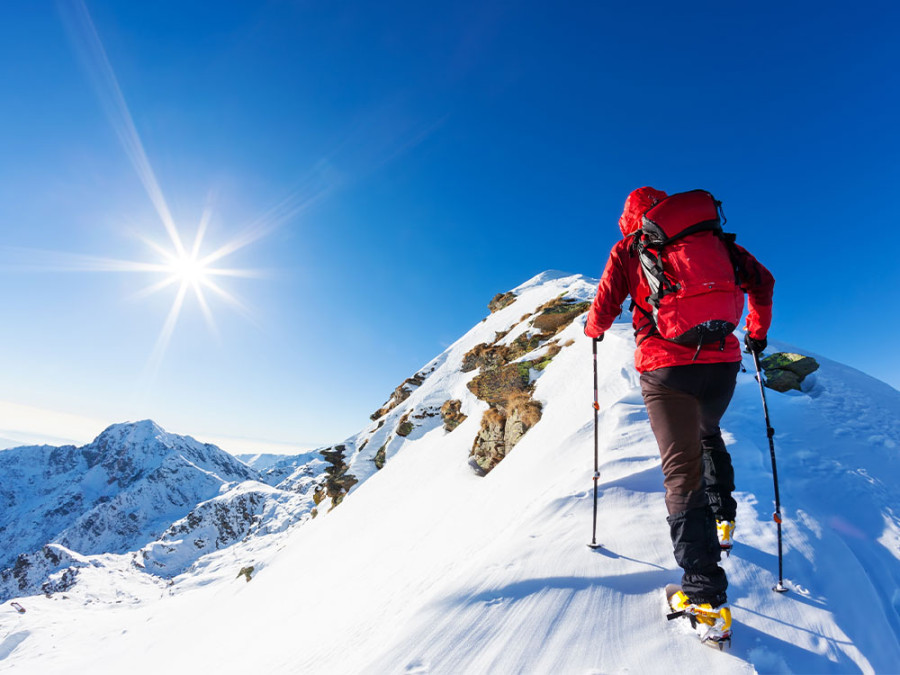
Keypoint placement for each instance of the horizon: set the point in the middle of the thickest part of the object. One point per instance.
(252, 224)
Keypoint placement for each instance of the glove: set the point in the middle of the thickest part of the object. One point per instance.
(755, 346)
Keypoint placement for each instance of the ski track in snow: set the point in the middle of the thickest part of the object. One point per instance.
(428, 568)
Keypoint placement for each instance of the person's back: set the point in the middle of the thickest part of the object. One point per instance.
(686, 388)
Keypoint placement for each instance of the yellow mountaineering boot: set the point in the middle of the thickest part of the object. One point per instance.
(712, 623)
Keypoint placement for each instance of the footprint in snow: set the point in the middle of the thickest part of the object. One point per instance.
(416, 667)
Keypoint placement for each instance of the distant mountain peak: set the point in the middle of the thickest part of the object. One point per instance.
(133, 431)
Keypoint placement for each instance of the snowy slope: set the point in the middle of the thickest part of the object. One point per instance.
(429, 567)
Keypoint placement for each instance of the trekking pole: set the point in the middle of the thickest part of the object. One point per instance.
(594, 543)
(770, 432)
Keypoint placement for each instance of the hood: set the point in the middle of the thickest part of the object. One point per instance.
(638, 202)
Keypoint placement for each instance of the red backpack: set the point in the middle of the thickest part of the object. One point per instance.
(688, 264)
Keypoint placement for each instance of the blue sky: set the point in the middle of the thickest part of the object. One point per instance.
(410, 160)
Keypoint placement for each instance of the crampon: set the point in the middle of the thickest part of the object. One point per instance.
(713, 624)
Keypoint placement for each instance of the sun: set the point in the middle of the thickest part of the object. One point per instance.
(193, 274)
(189, 269)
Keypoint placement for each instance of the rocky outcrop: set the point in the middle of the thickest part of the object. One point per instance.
(485, 355)
(555, 315)
(405, 427)
(490, 445)
(337, 481)
(52, 569)
(495, 385)
(399, 395)
(522, 413)
(451, 414)
(785, 371)
(246, 510)
(380, 457)
(502, 427)
(500, 301)
(505, 382)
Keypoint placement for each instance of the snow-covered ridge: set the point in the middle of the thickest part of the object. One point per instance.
(426, 566)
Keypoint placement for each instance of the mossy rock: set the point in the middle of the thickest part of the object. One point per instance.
(782, 380)
(540, 365)
(796, 363)
(379, 458)
(523, 344)
(555, 318)
(247, 573)
(545, 360)
(496, 385)
(451, 414)
(785, 370)
(500, 301)
(485, 356)
(405, 428)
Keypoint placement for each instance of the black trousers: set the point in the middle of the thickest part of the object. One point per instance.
(685, 405)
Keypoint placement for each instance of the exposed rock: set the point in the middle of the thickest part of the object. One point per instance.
(399, 395)
(337, 482)
(498, 384)
(451, 414)
(485, 355)
(522, 414)
(489, 447)
(796, 363)
(544, 361)
(379, 458)
(405, 427)
(558, 314)
(782, 380)
(502, 428)
(248, 509)
(501, 300)
(523, 344)
(785, 371)
(246, 572)
(505, 383)
(61, 581)
(52, 569)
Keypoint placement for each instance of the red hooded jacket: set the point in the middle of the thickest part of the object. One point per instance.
(622, 278)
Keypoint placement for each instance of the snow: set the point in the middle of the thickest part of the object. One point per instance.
(428, 567)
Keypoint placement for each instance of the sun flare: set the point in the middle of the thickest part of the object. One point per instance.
(188, 269)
